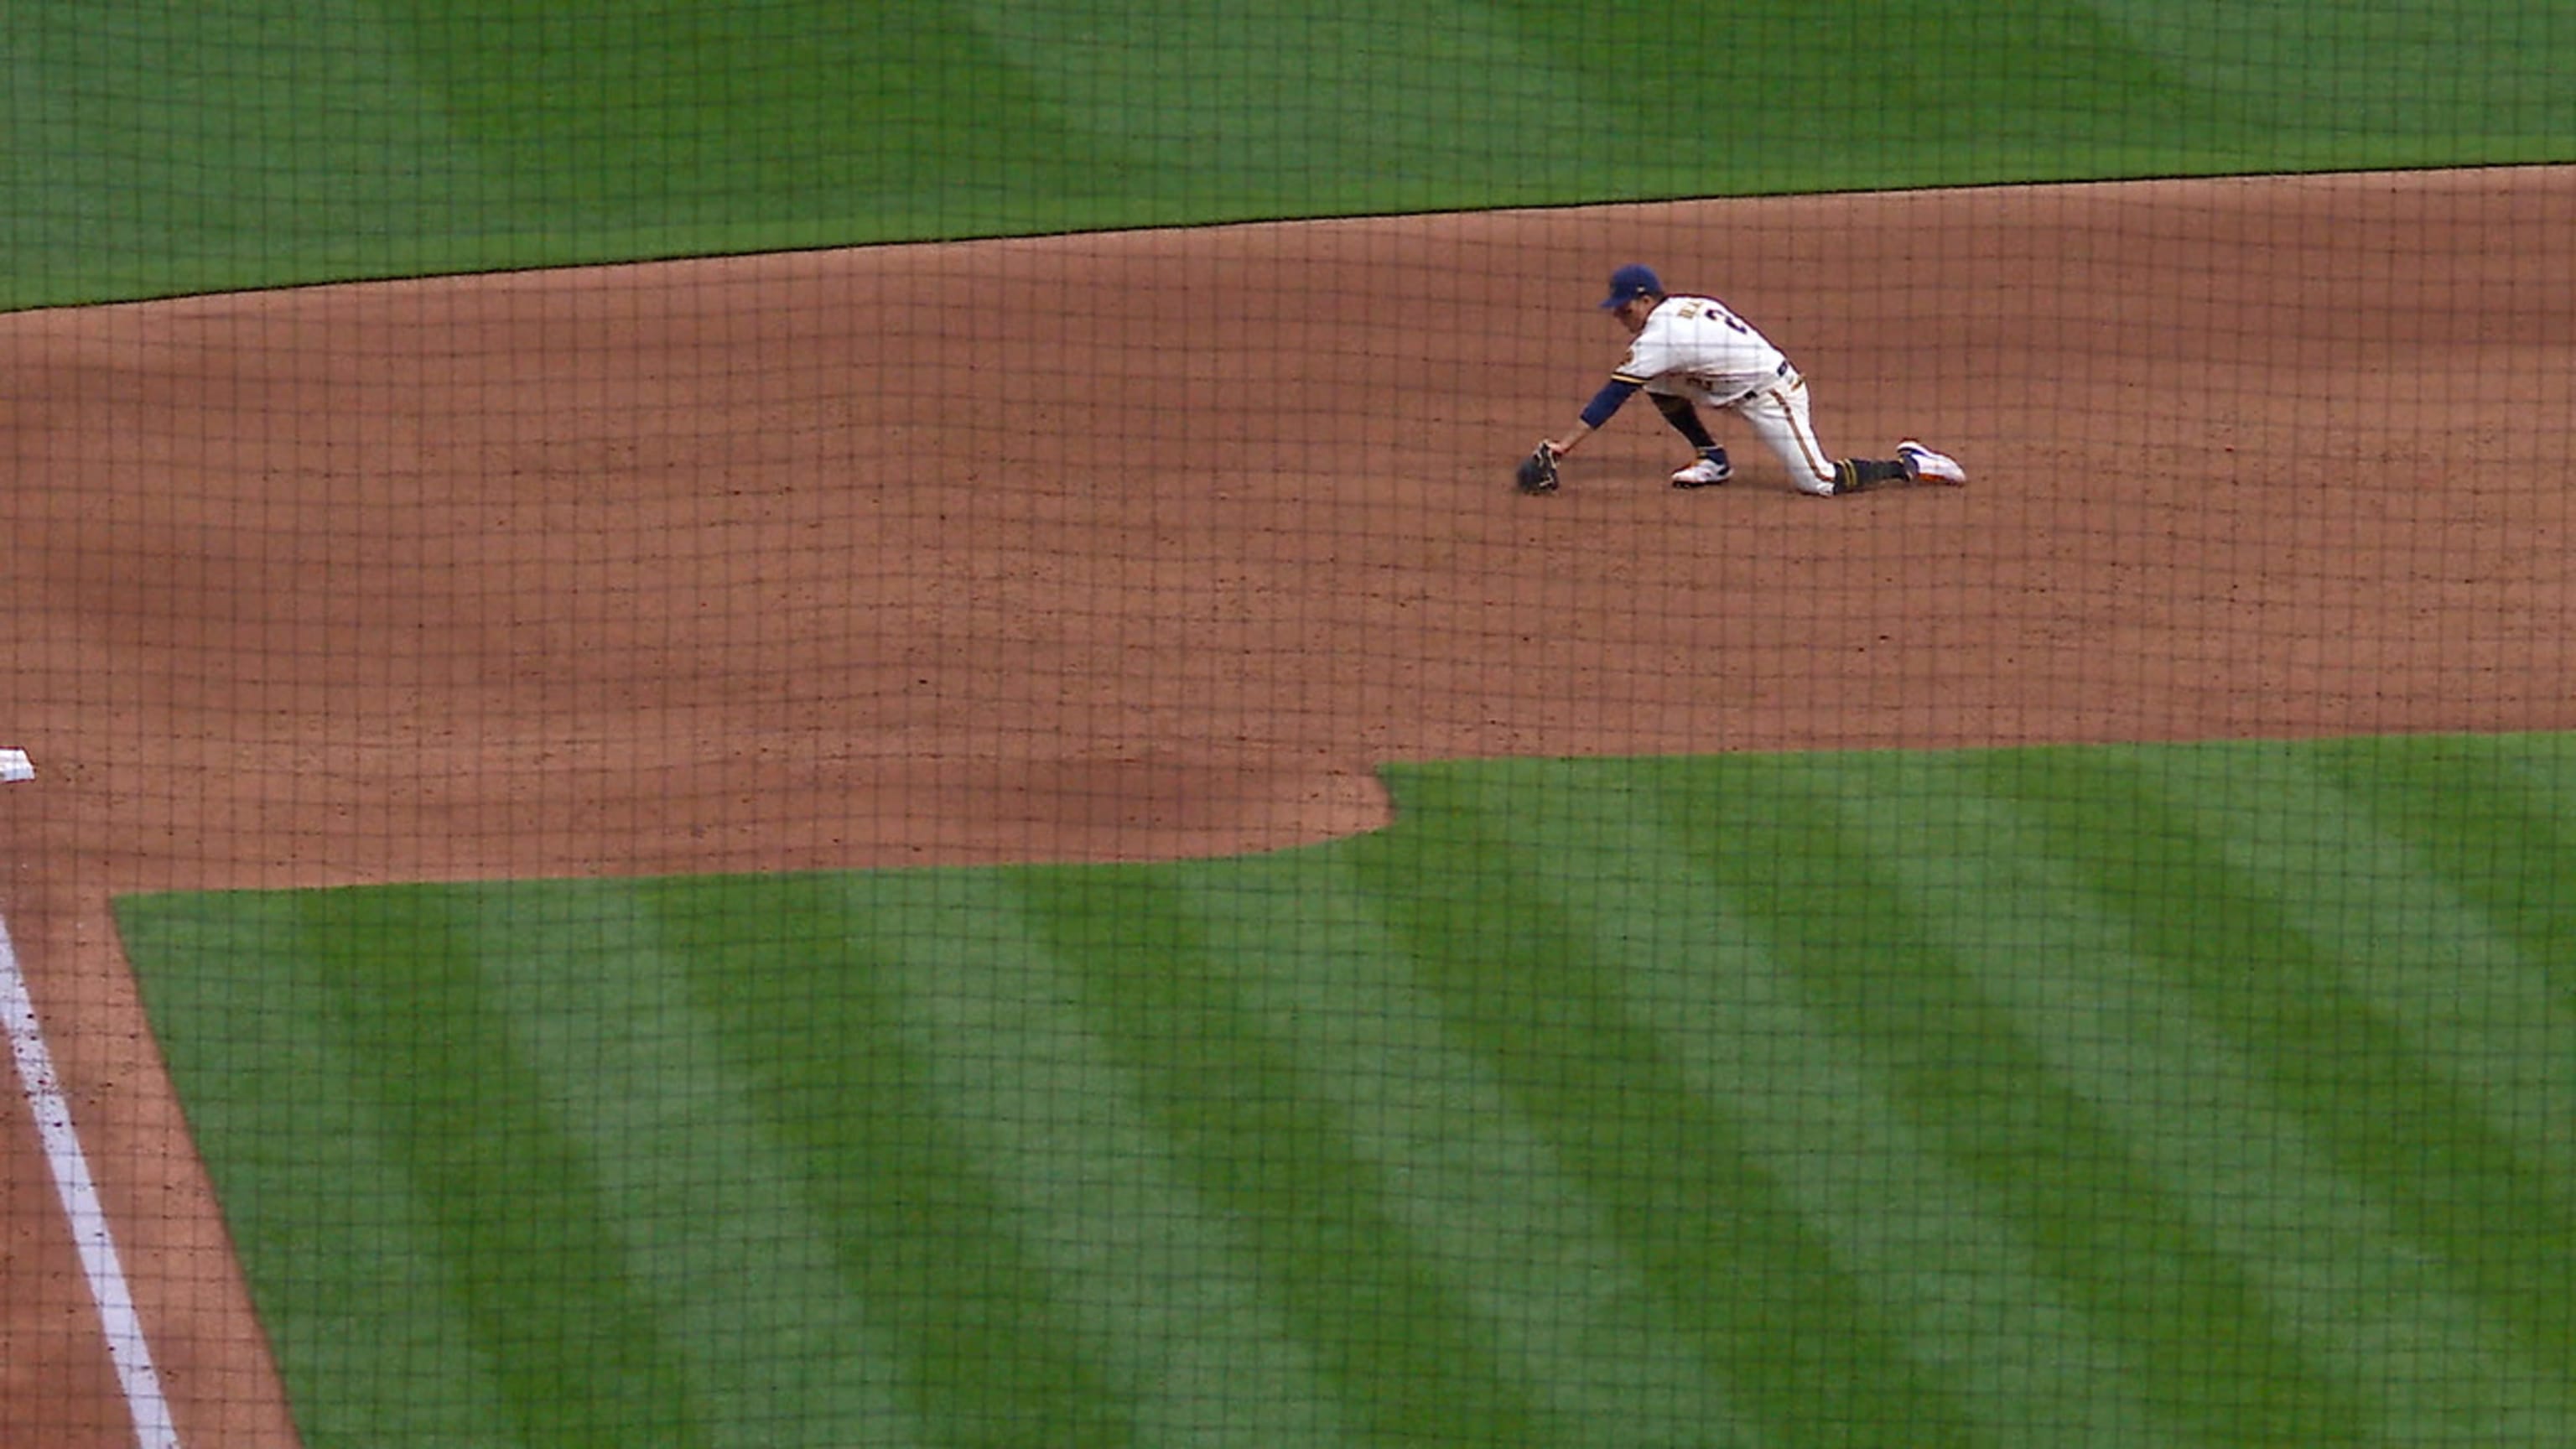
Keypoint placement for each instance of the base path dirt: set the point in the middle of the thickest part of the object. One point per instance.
(1133, 546)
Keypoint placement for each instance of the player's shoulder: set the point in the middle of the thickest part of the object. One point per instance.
(1679, 307)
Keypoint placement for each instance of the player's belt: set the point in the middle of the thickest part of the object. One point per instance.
(1783, 370)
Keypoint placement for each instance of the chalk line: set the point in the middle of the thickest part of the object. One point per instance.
(79, 1192)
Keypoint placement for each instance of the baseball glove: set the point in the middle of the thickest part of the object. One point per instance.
(1537, 473)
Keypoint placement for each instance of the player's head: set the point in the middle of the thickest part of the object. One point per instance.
(1634, 282)
(1634, 291)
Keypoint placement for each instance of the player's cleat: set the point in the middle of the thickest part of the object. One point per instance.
(1925, 466)
(1706, 473)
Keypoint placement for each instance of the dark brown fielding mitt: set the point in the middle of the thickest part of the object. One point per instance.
(1537, 473)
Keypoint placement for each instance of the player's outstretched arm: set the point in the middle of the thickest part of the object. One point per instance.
(1604, 404)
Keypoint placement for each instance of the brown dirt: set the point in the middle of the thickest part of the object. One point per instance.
(1139, 546)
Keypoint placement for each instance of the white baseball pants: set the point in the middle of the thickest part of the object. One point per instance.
(1777, 412)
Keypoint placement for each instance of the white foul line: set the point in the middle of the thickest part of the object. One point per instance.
(116, 1315)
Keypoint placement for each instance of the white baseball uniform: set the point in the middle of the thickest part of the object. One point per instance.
(1694, 348)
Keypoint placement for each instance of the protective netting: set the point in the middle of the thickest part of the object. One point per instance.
(764, 724)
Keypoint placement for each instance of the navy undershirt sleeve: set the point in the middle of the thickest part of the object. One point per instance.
(1607, 401)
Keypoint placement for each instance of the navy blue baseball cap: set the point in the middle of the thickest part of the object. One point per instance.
(1631, 282)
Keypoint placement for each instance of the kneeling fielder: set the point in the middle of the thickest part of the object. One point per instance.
(1693, 350)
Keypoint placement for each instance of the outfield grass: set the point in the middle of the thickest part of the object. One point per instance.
(2173, 1096)
(157, 148)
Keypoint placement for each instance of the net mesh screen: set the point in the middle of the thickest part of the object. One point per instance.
(775, 724)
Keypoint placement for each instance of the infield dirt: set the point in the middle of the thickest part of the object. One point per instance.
(1134, 546)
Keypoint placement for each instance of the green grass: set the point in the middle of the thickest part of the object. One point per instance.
(2176, 1096)
(154, 148)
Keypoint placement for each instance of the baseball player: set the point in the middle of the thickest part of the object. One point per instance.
(1692, 350)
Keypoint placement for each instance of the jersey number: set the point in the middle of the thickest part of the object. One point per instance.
(1703, 307)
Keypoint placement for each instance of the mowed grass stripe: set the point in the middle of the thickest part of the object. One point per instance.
(1272, 1157)
(1152, 1276)
(347, 1264)
(611, 1011)
(1480, 1194)
(1287, 108)
(2117, 1238)
(1801, 1342)
(917, 1229)
(2393, 1124)
(2419, 1361)
(2487, 817)
(529, 1242)
(1698, 965)
(2490, 815)
(2475, 1014)
(1276, 1164)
